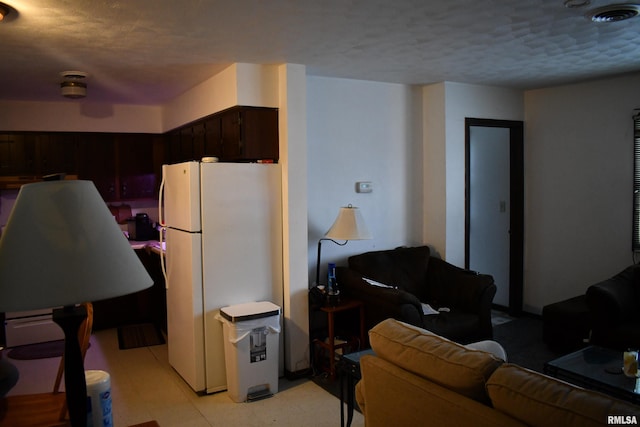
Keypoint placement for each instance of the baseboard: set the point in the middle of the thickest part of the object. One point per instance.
(292, 376)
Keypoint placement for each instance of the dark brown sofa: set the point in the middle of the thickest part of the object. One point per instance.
(417, 277)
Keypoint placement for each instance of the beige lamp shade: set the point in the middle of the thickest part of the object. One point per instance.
(349, 225)
(61, 246)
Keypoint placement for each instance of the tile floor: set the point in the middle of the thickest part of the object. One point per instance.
(145, 387)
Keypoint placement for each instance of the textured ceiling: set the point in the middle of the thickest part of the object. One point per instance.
(149, 51)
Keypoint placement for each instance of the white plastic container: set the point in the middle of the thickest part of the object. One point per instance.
(251, 349)
(98, 399)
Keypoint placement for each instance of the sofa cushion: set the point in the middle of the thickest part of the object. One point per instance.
(434, 358)
(543, 401)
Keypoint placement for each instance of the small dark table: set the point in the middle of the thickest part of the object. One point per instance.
(596, 368)
(330, 345)
(349, 368)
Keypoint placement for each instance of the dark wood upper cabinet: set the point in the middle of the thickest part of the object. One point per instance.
(206, 138)
(17, 154)
(259, 134)
(122, 166)
(136, 175)
(57, 153)
(97, 163)
(231, 144)
(238, 134)
(127, 166)
(249, 134)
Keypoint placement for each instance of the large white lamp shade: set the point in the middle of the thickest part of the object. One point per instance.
(349, 225)
(61, 246)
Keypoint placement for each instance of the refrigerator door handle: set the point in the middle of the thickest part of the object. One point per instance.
(163, 228)
(163, 264)
(161, 200)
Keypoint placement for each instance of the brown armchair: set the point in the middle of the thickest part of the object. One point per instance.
(415, 277)
(614, 308)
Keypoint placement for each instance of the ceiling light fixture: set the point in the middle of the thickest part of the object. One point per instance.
(4, 10)
(614, 12)
(73, 85)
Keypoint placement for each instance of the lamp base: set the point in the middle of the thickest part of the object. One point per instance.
(69, 319)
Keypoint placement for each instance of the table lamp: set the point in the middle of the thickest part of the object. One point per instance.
(62, 247)
(349, 225)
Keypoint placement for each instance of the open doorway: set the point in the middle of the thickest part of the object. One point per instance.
(494, 205)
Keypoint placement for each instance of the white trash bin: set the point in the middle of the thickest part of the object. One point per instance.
(98, 399)
(251, 349)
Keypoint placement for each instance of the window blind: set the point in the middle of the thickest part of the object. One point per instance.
(636, 183)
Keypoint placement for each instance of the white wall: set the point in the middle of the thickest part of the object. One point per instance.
(79, 116)
(363, 131)
(239, 84)
(578, 162)
(444, 152)
(434, 231)
(293, 158)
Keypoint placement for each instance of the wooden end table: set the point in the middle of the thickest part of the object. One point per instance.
(331, 346)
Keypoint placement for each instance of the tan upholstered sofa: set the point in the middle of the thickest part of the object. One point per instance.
(418, 378)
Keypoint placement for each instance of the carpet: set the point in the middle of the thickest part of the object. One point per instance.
(139, 335)
(522, 340)
(43, 350)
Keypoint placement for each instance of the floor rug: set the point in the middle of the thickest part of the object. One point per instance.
(43, 350)
(139, 335)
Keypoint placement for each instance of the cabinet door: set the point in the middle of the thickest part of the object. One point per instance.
(249, 134)
(186, 144)
(57, 153)
(198, 142)
(230, 136)
(181, 146)
(173, 146)
(97, 163)
(17, 154)
(259, 134)
(136, 174)
(206, 138)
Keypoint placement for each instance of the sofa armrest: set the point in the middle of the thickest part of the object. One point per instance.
(380, 303)
(614, 300)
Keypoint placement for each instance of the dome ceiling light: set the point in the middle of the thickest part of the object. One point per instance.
(7, 13)
(73, 84)
(614, 12)
(4, 11)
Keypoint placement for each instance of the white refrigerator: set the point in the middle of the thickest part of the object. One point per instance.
(223, 232)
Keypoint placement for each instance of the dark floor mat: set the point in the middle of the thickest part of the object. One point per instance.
(140, 335)
(42, 350)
